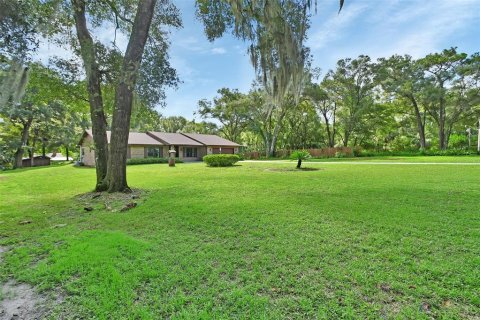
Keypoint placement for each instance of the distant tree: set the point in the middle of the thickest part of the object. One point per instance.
(230, 108)
(322, 97)
(403, 78)
(353, 84)
(443, 73)
(173, 124)
(202, 127)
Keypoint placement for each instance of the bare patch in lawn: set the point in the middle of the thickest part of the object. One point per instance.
(20, 301)
(114, 202)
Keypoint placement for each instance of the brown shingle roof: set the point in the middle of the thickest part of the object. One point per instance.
(174, 139)
(211, 140)
(135, 138)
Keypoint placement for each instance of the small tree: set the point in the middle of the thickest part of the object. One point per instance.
(300, 155)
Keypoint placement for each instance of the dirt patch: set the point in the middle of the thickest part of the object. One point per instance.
(114, 202)
(2, 251)
(20, 301)
(292, 169)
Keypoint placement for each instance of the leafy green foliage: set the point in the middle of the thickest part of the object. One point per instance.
(231, 108)
(221, 160)
(300, 155)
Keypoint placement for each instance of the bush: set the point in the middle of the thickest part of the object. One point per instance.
(221, 160)
(135, 161)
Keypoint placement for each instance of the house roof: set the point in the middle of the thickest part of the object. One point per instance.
(134, 138)
(174, 139)
(211, 140)
(166, 138)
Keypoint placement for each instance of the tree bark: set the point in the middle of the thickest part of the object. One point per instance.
(25, 133)
(420, 125)
(272, 148)
(299, 163)
(99, 122)
(441, 126)
(117, 164)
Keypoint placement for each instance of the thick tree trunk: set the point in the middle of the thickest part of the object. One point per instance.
(117, 163)
(23, 141)
(99, 122)
(272, 148)
(299, 163)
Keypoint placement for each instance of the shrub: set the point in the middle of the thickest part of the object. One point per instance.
(221, 160)
(300, 155)
(135, 161)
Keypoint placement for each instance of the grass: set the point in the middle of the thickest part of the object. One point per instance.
(343, 242)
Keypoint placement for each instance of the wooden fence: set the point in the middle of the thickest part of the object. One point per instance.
(316, 153)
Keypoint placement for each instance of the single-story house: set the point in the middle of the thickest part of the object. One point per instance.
(187, 146)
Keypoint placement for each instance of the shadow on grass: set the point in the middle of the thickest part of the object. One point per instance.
(292, 169)
(232, 166)
(23, 169)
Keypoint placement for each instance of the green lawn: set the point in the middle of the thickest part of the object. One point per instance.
(250, 241)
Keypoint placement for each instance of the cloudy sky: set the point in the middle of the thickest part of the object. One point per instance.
(377, 28)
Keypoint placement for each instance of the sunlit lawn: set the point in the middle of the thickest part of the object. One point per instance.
(251, 241)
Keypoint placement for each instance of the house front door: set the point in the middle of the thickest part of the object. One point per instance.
(177, 152)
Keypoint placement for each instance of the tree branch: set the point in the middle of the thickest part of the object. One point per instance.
(117, 13)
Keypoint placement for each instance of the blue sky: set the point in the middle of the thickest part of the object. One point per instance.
(378, 28)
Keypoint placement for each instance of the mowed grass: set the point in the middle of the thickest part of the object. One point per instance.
(250, 242)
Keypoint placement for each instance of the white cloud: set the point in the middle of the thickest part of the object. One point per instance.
(219, 50)
(332, 29)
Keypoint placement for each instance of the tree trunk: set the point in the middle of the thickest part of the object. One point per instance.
(19, 152)
(99, 122)
(346, 138)
(441, 130)
(66, 151)
(330, 134)
(299, 163)
(117, 164)
(420, 124)
(272, 148)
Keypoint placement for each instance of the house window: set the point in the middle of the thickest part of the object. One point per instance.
(190, 152)
(154, 152)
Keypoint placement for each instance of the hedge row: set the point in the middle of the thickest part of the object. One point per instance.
(221, 160)
(135, 161)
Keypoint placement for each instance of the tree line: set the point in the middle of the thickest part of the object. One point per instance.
(395, 103)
